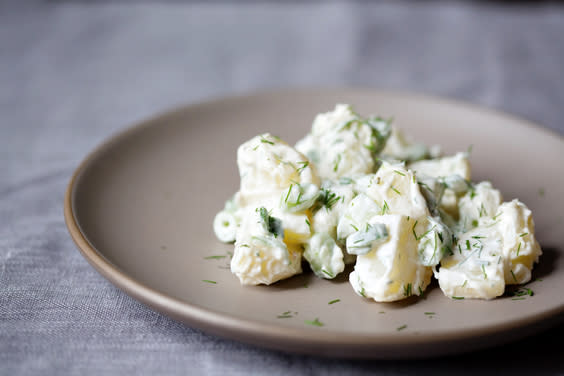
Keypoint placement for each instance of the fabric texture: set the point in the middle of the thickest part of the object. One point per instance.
(74, 73)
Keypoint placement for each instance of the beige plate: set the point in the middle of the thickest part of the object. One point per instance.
(140, 208)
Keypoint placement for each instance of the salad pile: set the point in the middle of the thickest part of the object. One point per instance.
(356, 191)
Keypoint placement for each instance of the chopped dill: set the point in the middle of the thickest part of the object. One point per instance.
(482, 210)
(541, 192)
(328, 198)
(286, 315)
(217, 257)
(314, 322)
(302, 167)
(289, 191)
(336, 163)
(327, 273)
(385, 208)
(519, 248)
(413, 230)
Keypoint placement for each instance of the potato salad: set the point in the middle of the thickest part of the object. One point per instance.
(356, 190)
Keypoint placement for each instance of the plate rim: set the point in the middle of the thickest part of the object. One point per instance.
(307, 340)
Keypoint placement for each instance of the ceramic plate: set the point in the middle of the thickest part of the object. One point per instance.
(141, 206)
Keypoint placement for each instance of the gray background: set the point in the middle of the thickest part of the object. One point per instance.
(73, 73)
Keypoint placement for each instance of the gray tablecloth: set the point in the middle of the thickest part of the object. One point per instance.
(71, 74)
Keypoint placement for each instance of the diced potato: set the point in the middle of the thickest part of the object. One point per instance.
(478, 205)
(395, 191)
(391, 271)
(260, 256)
(476, 267)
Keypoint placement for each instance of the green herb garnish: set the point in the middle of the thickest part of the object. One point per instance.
(315, 322)
(519, 248)
(208, 281)
(334, 301)
(400, 328)
(285, 315)
(218, 257)
(385, 208)
(302, 167)
(407, 290)
(327, 273)
(482, 210)
(271, 224)
(336, 163)
(327, 198)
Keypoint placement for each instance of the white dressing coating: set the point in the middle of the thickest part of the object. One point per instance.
(478, 205)
(395, 190)
(476, 267)
(356, 190)
(391, 271)
(267, 167)
(500, 251)
(275, 176)
(325, 257)
(435, 242)
(520, 247)
(260, 257)
(456, 165)
(356, 216)
(336, 197)
(400, 147)
(343, 144)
